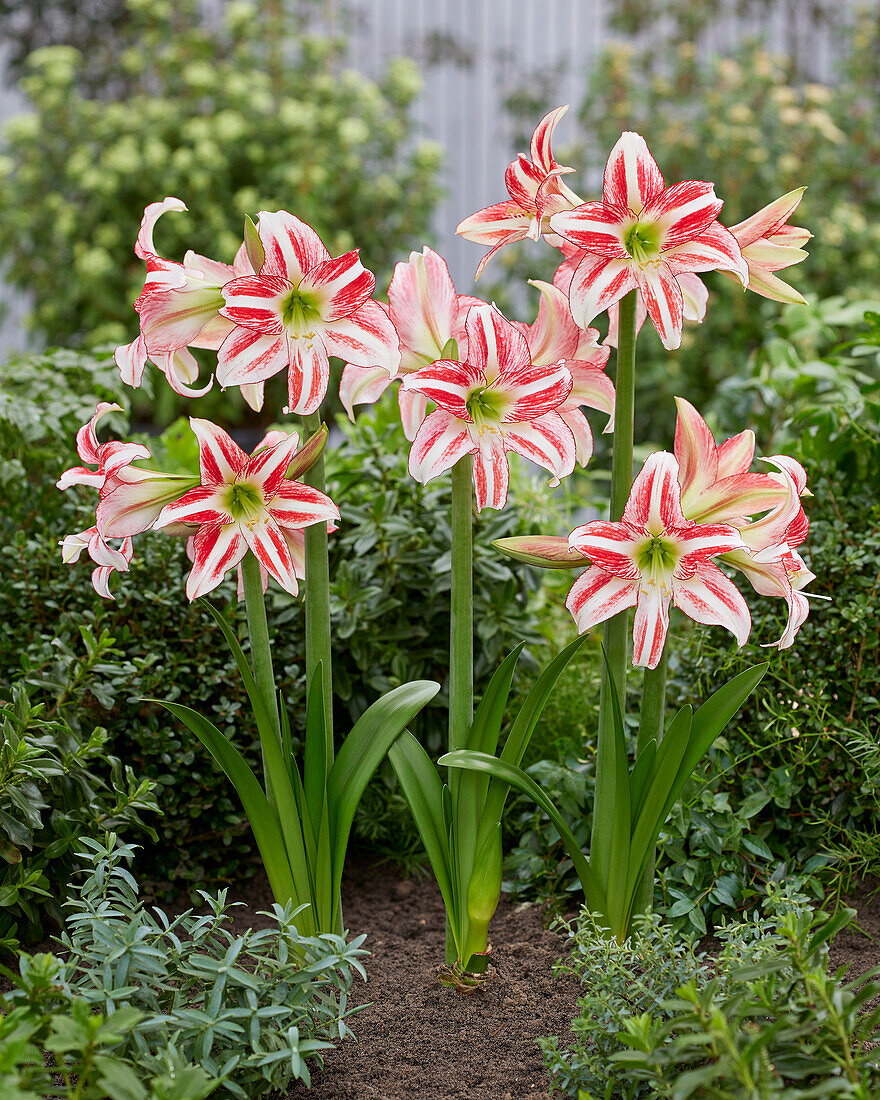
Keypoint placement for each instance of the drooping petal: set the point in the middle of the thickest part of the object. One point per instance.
(247, 357)
(695, 295)
(296, 505)
(632, 177)
(684, 211)
(144, 247)
(340, 286)
(664, 302)
(547, 440)
(522, 179)
(269, 546)
(361, 386)
(220, 457)
(595, 227)
(291, 247)
(365, 339)
(591, 386)
(579, 427)
(440, 442)
(655, 500)
(132, 360)
(611, 546)
(650, 624)
(541, 153)
(256, 302)
(496, 225)
(87, 446)
(596, 595)
(215, 550)
(413, 408)
(711, 598)
(598, 284)
(491, 472)
(182, 369)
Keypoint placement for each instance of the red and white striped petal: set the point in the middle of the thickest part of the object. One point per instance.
(541, 153)
(181, 369)
(215, 550)
(496, 225)
(144, 247)
(256, 302)
(579, 427)
(246, 357)
(269, 547)
(365, 339)
(533, 391)
(134, 498)
(491, 471)
(598, 284)
(220, 457)
(340, 286)
(774, 578)
(632, 177)
(711, 598)
(494, 344)
(87, 446)
(510, 239)
(448, 384)
(172, 319)
(547, 440)
(703, 541)
(439, 443)
(695, 295)
(735, 454)
(295, 505)
(611, 546)
(655, 500)
(413, 409)
(769, 219)
(201, 505)
(132, 360)
(591, 386)
(267, 466)
(664, 302)
(81, 475)
(683, 211)
(596, 595)
(650, 624)
(424, 305)
(554, 334)
(590, 351)
(213, 334)
(595, 227)
(361, 386)
(308, 374)
(522, 179)
(695, 452)
(291, 247)
(731, 499)
(715, 249)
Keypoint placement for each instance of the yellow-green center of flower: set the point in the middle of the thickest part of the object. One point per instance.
(657, 557)
(642, 241)
(244, 502)
(299, 312)
(485, 405)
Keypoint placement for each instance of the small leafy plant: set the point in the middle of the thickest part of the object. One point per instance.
(246, 1010)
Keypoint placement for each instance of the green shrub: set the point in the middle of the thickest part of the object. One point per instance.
(249, 1010)
(657, 1018)
(254, 112)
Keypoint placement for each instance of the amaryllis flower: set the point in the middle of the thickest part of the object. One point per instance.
(108, 559)
(244, 502)
(107, 457)
(179, 308)
(653, 557)
(641, 236)
(426, 313)
(555, 338)
(495, 401)
(302, 307)
(770, 244)
(536, 192)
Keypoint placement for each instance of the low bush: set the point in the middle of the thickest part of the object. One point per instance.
(183, 995)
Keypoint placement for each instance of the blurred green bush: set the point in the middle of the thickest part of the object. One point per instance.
(256, 113)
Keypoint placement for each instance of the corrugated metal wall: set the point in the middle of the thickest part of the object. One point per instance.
(475, 52)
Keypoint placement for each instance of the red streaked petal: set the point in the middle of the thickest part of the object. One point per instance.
(365, 339)
(715, 249)
(591, 385)
(295, 505)
(135, 501)
(541, 153)
(447, 383)
(246, 357)
(256, 302)
(424, 305)
(491, 472)
(547, 440)
(655, 500)
(709, 597)
(269, 546)
(611, 546)
(220, 457)
(650, 624)
(308, 375)
(683, 211)
(595, 227)
(144, 246)
(579, 427)
(132, 360)
(494, 343)
(769, 219)
(439, 443)
(413, 409)
(664, 302)
(498, 224)
(341, 285)
(361, 386)
(267, 467)
(632, 177)
(199, 505)
(694, 450)
(704, 541)
(215, 550)
(598, 284)
(292, 248)
(522, 179)
(533, 391)
(554, 335)
(596, 595)
(735, 454)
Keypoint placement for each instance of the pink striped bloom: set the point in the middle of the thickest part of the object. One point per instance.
(303, 307)
(494, 401)
(536, 192)
(653, 557)
(108, 560)
(770, 244)
(179, 308)
(642, 236)
(555, 338)
(426, 313)
(244, 502)
(108, 457)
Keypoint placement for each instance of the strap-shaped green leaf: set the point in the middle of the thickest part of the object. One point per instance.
(423, 790)
(362, 751)
(638, 779)
(509, 775)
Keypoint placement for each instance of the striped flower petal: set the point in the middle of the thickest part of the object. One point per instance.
(216, 549)
(546, 440)
(596, 595)
(554, 335)
(340, 286)
(769, 219)
(533, 391)
(598, 284)
(448, 384)
(491, 472)
(579, 427)
(291, 247)
(611, 546)
(256, 302)
(650, 624)
(423, 303)
(684, 211)
(494, 344)
(664, 302)
(246, 357)
(267, 543)
(595, 227)
(439, 443)
(632, 177)
(308, 374)
(655, 500)
(297, 505)
(362, 386)
(714, 249)
(499, 224)
(365, 339)
(709, 597)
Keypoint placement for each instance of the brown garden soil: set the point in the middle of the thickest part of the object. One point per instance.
(418, 1039)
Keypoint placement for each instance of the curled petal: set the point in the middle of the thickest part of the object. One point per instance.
(144, 248)
(361, 386)
(132, 360)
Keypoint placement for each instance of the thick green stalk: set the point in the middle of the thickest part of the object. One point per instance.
(318, 594)
(651, 722)
(261, 649)
(461, 663)
(616, 628)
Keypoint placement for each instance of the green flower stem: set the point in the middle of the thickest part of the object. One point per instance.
(318, 595)
(651, 721)
(617, 628)
(261, 649)
(461, 648)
